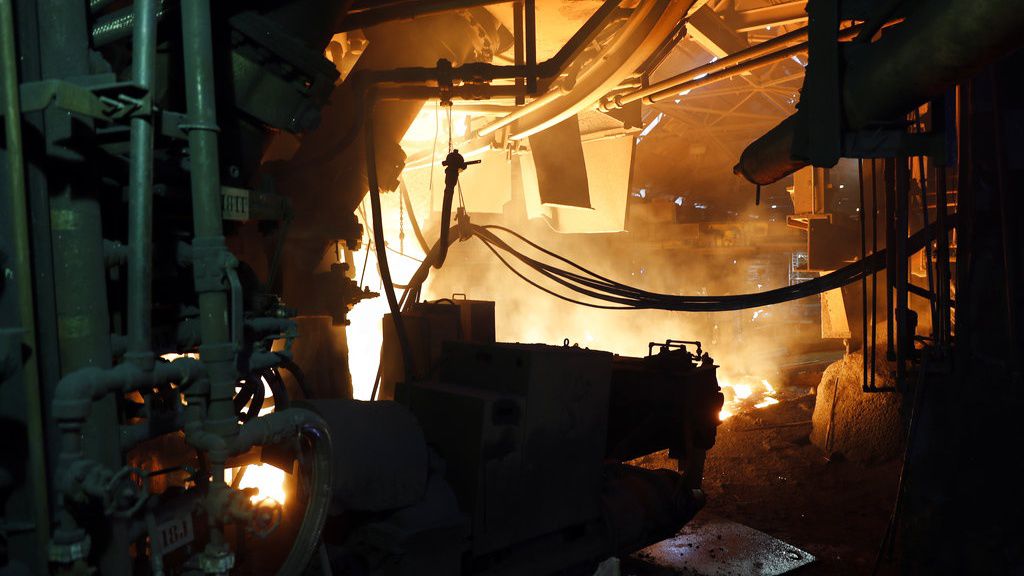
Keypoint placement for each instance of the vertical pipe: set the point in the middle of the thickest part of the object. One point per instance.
(519, 45)
(210, 253)
(965, 215)
(942, 256)
(531, 46)
(140, 191)
(904, 338)
(864, 278)
(79, 271)
(928, 245)
(22, 267)
(890, 253)
(874, 275)
(1007, 225)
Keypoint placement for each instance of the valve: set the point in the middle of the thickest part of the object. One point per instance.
(453, 164)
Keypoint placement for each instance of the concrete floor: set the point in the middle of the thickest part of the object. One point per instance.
(764, 473)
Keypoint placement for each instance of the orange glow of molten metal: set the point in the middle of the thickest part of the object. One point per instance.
(743, 394)
(270, 481)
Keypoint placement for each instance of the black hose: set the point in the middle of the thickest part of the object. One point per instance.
(378, 238)
(446, 220)
(454, 163)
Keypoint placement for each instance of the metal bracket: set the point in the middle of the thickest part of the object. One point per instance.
(109, 102)
(891, 143)
(210, 262)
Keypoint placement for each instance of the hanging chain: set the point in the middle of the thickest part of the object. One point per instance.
(450, 144)
(401, 222)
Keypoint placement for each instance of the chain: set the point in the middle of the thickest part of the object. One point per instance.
(401, 223)
(450, 144)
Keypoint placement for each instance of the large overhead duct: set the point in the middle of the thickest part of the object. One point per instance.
(938, 44)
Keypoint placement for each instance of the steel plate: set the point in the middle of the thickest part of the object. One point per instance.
(711, 546)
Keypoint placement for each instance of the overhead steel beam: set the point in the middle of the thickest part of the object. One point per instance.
(711, 32)
(388, 11)
(776, 15)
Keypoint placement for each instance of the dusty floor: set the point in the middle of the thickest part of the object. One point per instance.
(765, 473)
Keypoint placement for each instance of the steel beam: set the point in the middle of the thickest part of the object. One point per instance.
(768, 16)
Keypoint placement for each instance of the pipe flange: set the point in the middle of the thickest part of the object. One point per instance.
(216, 560)
(70, 552)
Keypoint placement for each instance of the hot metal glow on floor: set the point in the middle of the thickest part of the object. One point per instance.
(712, 546)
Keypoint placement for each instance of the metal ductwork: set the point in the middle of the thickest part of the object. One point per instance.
(938, 44)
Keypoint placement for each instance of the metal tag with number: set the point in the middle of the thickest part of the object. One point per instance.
(169, 536)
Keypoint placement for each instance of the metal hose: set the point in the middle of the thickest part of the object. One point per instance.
(120, 24)
(281, 425)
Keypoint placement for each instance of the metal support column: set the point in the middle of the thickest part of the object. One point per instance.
(531, 46)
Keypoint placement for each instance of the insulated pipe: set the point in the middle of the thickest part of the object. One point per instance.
(79, 274)
(140, 192)
(640, 37)
(673, 83)
(364, 80)
(697, 79)
(936, 45)
(548, 97)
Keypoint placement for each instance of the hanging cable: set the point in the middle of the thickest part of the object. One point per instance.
(607, 293)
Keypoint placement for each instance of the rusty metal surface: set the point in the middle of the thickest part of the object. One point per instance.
(712, 546)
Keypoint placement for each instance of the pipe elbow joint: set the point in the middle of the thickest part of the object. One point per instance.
(276, 427)
(188, 373)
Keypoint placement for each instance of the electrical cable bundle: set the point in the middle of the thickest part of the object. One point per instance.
(598, 291)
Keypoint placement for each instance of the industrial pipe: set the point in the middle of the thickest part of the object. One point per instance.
(21, 261)
(672, 84)
(936, 45)
(73, 403)
(477, 71)
(465, 91)
(210, 254)
(140, 192)
(700, 76)
(640, 37)
(210, 259)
